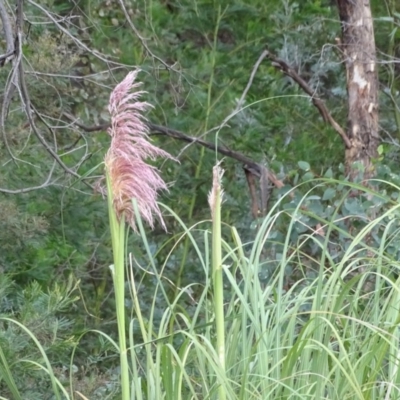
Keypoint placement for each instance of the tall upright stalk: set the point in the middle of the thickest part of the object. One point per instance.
(118, 274)
(199, 165)
(129, 177)
(218, 283)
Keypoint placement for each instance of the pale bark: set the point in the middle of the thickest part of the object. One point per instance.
(359, 55)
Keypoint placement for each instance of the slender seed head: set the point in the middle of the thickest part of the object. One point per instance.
(217, 192)
(130, 175)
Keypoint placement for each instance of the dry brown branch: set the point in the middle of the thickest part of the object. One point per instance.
(251, 182)
(254, 167)
(318, 103)
(265, 192)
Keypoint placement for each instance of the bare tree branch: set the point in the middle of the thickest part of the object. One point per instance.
(24, 95)
(15, 81)
(45, 184)
(78, 42)
(252, 166)
(326, 116)
(5, 19)
(12, 80)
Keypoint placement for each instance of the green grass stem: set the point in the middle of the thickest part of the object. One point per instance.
(118, 273)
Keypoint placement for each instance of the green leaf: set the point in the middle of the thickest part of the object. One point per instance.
(354, 207)
(385, 19)
(329, 194)
(304, 165)
(329, 173)
(308, 176)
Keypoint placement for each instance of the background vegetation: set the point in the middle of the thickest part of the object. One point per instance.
(196, 59)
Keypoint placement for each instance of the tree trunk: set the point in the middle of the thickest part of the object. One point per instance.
(359, 54)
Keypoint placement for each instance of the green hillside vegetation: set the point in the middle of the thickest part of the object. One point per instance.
(290, 292)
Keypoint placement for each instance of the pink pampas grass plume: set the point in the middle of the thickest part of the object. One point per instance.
(130, 175)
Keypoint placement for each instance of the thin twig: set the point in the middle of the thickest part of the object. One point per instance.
(88, 129)
(45, 184)
(23, 91)
(326, 116)
(141, 39)
(78, 42)
(75, 77)
(250, 82)
(29, 109)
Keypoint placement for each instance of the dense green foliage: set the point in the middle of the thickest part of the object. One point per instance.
(196, 58)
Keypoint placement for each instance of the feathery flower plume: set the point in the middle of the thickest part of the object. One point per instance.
(127, 170)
